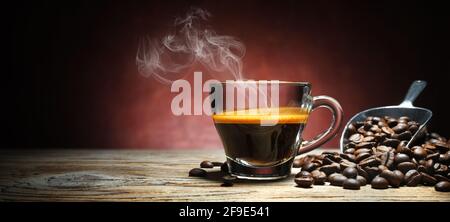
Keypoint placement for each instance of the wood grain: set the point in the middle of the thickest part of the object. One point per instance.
(141, 175)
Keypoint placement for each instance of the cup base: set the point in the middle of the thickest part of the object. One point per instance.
(277, 172)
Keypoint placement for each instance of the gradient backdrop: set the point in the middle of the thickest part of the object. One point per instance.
(71, 78)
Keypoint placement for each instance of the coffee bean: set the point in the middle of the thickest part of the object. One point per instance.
(404, 118)
(329, 169)
(442, 147)
(444, 158)
(392, 122)
(224, 168)
(413, 128)
(349, 151)
(319, 177)
(310, 167)
(351, 184)
(304, 182)
(297, 163)
(371, 161)
(443, 186)
(372, 172)
(404, 150)
(374, 129)
(393, 178)
(351, 129)
(391, 142)
(401, 157)
(362, 172)
(228, 180)
(443, 169)
(419, 153)
(428, 180)
(365, 145)
(349, 157)
(400, 176)
(367, 125)
(362, 156)
(439, 177)
(383, 149)
(303, 174)
(379, 183)
(413, 178)
(197, 172)
(387, 159)
(387, 130)
(356, 138)
(362, 181)
(337, 180)
(361, 130)
(217, 164)
(400, 128)
(206, 164)
(350, 172)
(345, 163)
(361, 151)
(406, 166)
(376, 119)
(404, 136)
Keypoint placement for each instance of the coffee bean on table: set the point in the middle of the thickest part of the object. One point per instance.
(406, 166)
(304, 182)
(379, 183)
(413, 178)
(362, 156)
(224, 167)
(217, 164)
(393, 179)
(337, 180)
(206, 164)
(310, 167)
(297, 163)
(319, 177)
(228, 180)
(443, 186)
(362, 181)
(197, 172)
(362, 172)
(372, 172)
(439, 178)
(330, 169)
(428, 180)
(303, 174)
(351, 184)
(350, 172)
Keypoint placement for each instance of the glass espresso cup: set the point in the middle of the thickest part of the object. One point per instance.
(262, 133)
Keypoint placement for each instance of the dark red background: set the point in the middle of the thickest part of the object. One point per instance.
(71, 78)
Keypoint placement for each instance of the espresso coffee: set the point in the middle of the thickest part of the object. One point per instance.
(249, 143)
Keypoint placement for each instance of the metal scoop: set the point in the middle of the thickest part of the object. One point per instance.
(406, 108)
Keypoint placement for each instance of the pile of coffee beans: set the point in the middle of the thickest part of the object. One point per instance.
(376, 154)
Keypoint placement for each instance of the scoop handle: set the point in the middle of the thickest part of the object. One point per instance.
(414, 90)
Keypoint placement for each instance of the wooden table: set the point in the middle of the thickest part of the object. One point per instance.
(144, 175)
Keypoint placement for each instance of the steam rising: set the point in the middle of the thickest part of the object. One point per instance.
(192, 42)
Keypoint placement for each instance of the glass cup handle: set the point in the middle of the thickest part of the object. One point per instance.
(336, 109)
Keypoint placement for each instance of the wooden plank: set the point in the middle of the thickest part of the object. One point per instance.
(142, 175)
